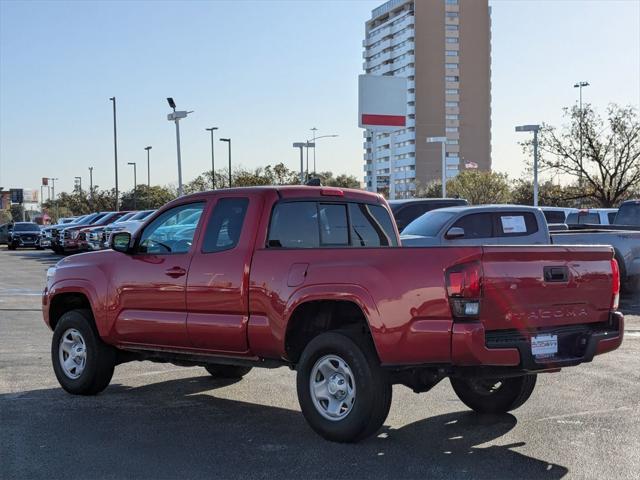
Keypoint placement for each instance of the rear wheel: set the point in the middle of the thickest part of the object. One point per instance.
(227, 371)
(343, 392)
(494, 395)
(82, 362)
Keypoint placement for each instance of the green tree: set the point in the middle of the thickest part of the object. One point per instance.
(17, 212)
(5, 217)
(549, 194)
(146, 197)
(480, 188)
(607, 167)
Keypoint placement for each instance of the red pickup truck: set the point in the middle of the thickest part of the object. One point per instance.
(314, 278)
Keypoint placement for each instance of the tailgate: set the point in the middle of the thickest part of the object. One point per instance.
(531, 287)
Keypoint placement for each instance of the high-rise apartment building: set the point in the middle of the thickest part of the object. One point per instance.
(443, 47)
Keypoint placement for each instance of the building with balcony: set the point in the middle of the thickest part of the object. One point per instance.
(443, 47)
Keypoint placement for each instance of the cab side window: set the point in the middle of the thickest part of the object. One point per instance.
(516, 224)
(225, 225)
(172, 232)
(476, 225)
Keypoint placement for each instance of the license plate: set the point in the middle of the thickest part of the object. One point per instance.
(544, 346)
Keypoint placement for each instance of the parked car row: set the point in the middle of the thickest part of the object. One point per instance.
(523, 225)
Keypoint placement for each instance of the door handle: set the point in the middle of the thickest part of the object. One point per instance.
(175, 272)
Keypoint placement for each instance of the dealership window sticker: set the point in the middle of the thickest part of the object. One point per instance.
(513, 224)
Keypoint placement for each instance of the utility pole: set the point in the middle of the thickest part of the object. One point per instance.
(148, 166)
(535, 129)
(579, 86)
(53, 194)
(176, 116)
(228, 141)
(314, 130)
(91, 185)
(115, 149)
(213, 162)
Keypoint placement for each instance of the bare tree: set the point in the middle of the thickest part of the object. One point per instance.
(609, 167)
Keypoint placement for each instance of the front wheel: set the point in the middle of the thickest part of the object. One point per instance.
(494, 395)
(82, 362)
(343, 392)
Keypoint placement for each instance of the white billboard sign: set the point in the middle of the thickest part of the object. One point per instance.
(382, 102)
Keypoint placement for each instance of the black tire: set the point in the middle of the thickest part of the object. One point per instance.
(499, 395)
(11, 247)
(100, 357)
(373, 391)
(227, 371)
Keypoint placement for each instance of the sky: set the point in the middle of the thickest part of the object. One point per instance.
(264, 73)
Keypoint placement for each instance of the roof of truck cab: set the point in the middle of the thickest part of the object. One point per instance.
(489, 208)
(293, 191)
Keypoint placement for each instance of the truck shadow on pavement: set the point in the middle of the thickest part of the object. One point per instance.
(182, 429)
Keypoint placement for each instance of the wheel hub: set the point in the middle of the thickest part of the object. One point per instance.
(337, 386)
(72, 353)
(333, 388)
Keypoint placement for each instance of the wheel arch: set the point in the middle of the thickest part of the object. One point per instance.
(318, 309)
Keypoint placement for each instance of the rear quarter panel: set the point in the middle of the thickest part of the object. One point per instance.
(400, 290)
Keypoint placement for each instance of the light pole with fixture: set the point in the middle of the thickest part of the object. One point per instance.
(443, 141)
(579, 86)
(535, 129)
(301, 145)
(78, 181)
(115, 147)
(148, 149)
(176, 116)
(228, 141)
(213, 163)
(314, 130)
(53, 194)
(135, 185)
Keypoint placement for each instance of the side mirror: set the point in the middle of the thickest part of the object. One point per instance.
(121, 242)
(454, 232)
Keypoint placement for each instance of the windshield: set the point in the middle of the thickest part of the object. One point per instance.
(26, 227)
(125, 217)
(583, 218)
(429, 224)
(629, 214)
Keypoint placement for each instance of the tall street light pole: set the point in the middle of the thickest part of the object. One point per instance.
(135, 185)
(314, 146)
(148, 149)
(579, 86)
(301, 145)
(53, 194)
(115, 148)
(443, 141)
(535, 129)
(176, 116)
(91, 185)
(213, 161)
(228, 140)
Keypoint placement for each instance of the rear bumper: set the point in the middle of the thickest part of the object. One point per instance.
(472, 346)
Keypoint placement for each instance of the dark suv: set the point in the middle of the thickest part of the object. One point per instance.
(24, 234)
(406, 211)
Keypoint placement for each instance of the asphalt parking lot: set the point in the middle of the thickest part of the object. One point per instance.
(161, 421)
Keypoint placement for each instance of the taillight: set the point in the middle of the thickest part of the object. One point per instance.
(615, 291)
(464, 288)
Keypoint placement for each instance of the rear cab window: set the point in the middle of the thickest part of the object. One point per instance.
(515, 224)
(311, 224)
